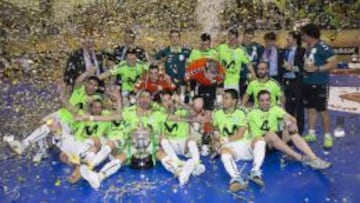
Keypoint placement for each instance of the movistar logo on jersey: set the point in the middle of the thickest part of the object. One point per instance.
(118, 123)
(228, 65)
(231, 132)
(132, 81)
(171, 128)
(90, 130)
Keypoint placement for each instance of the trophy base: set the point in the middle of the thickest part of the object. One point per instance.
(141, 163)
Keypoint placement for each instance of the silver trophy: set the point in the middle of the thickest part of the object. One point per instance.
(141, 140)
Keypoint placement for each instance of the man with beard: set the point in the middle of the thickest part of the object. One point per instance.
(263, 123)
(263, 82)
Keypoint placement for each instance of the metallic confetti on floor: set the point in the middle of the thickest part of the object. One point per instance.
(286, 181)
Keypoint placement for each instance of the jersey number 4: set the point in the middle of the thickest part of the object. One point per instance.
(265, 126)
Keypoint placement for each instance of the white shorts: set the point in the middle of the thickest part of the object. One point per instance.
(70, 146)
(241, 149)
(179, 146)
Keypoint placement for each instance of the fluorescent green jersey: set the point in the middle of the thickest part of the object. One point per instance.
(232, 60)
(116, 130)
(128, 74)
(261, 122)
(132, 120)
(270, 85)
(177, 129)
(229, 123)
(198, 54)
(78, 99)
(87, 129)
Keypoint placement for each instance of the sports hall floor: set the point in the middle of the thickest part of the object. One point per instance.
(286, 181)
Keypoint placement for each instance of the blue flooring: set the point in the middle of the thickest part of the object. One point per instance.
(286, 181)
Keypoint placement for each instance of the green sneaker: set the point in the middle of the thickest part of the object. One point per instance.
(328, 142)
(310, 138)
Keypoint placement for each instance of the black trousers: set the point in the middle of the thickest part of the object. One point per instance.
(209, 95)
(293, 90)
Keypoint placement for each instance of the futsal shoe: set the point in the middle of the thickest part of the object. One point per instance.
(237, 184)
(255, 176)
(317, 164)
(186, 171)
(339, 132)
(41, 154)
(310, 138)
(15, 145)
(328, 142)
(90, 176)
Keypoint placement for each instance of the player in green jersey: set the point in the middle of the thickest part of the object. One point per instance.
(263, 82)
(177, 140)
(128, 72)
(204, 51)
(125, 123)
(233, 142)
(232, 56)
(263, 122)
(78, 100)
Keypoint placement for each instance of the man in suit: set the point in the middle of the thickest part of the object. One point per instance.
(80, 61)
(293, 65)
(119, 53)
(271, 55)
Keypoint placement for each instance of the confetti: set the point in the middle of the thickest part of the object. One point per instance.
(57, 182)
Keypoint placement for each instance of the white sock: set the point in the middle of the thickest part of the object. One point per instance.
(327, 135)
(110, 168)
(42, 145)
(101, 155)
(312, 131)
(165, 144)
(189, 167)
(259, 154)
(169, 164)
(89, 156)
(230, 165)
(194, 151)
(38, 134)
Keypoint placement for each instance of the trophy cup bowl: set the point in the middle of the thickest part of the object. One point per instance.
(141, 159)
